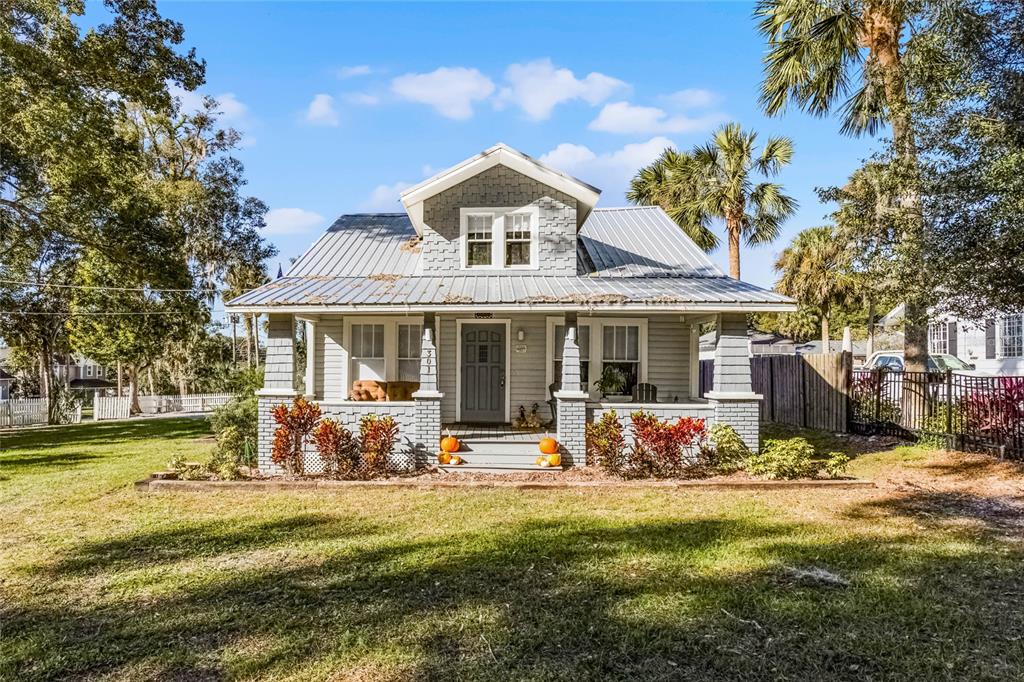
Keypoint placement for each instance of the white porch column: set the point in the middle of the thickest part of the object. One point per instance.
(572, 402)
(278, 382)
(735, 402)
(311, 387)
(427, 438)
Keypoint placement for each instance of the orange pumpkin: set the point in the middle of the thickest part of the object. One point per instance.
(555, 459)
(548, 445)
(444, 457)
(450, 443)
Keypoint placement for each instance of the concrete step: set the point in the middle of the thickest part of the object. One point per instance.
(499, 468)
(503, 458)
(498, 447)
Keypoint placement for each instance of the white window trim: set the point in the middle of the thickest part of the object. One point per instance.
(390, 344)
(498, 237)
(1000, 343)
(938, 334)
(459, 321)
(596, 325)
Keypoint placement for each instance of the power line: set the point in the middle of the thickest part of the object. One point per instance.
(86, 313)
(89, 286)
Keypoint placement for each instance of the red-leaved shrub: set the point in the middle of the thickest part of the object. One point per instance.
(295, 424)
(661, 449)
(606, 446)
(377, 435)
(338, 449)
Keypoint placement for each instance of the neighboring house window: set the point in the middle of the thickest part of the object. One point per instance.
(368, 352)
(479, 240)
(938, 338)
(583, 341)
(88, 370)
(1010, 337)
(621, 349)
(518, 241)
(409, 338)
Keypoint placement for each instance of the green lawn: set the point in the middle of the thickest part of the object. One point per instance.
(100, 581)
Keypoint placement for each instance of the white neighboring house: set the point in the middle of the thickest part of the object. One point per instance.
(995, 346)
(81, 372)
(6, 380)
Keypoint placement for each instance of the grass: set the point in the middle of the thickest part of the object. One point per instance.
(99, 581)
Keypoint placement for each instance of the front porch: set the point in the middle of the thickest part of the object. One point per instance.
(479, 374)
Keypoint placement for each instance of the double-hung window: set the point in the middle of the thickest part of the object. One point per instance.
(938, 338)
(1010, 337)
(518, 239)
(479, 239)
(409, 339)
(621, 351)
(368, 351)
(583, 341)
(88, 370)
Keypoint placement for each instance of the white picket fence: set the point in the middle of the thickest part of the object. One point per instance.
(23, 412)
(111, 408)
(199, 402)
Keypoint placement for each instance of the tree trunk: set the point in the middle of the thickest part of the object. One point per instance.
(732, 227)
(152, 384)
(120, 379)
(133, 390)
(45, 362)
(871, 328)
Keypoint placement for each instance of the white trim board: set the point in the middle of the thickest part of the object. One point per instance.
(459, 321)
(498, 236)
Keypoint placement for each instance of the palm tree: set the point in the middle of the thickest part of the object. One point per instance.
(822, 51)
(817, 270)
(716, 180)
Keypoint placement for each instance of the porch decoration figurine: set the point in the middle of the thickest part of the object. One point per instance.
(450, 443)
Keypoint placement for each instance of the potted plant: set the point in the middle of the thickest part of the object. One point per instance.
(612, 383)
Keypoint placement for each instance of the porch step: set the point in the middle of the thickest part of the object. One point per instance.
(498, 447)
(499, 468)
(497, 453)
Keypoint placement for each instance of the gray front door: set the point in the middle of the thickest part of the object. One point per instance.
(483, 373)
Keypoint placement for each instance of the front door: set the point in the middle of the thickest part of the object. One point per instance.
(483, 373)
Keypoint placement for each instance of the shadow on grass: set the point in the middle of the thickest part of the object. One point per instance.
(102, 432)
(62, 459)
(564, 599)
(996, 514)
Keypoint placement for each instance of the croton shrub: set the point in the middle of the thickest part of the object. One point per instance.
(295, 423)
(662, 449)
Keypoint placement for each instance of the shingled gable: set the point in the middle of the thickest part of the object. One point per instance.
(500, 154)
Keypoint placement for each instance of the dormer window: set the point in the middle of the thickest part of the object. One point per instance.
(499, 238)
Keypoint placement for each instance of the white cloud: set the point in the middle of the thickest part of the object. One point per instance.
(362, 98)
(609, 171)
(623, 117)
(291, 221)
(321, 111)
(537, 87)
(691, 98)
(452, 91)
(385, 197)
(232, 112)
(354, 71)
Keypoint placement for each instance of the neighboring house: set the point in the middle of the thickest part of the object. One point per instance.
(759, 343)
(81, 372)
(995, 346)
(503, 286)
(6, 383)
(860, 349)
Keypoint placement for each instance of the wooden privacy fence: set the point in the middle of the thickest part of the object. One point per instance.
(23, 412)
(811, 391)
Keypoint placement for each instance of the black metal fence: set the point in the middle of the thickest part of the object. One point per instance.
(957, 411)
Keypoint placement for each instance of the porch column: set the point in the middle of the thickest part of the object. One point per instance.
(427, 438)
(735, 402)
(572, 402)
(278, 383)
(310, 381)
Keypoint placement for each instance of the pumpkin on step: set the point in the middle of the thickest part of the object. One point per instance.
(450, 443)
(444, 457)
(456, 460)
(555, 459)
(548, 445)
(540, 460)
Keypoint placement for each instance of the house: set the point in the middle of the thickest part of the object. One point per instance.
(83, 373)
(760, 343)
(502, 287)
(860, 349)
(6, 383)
(994, 346)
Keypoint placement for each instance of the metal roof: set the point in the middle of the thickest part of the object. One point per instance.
(627, 257)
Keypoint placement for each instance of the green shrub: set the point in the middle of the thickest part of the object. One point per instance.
(785, 459)
(835, 465)
(236, 426)
(727, 452)
(606, 446)
(934, 427)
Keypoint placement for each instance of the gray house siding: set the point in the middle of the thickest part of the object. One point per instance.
(668, 356)
(499, 187)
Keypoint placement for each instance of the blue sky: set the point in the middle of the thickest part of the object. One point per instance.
(342, 105)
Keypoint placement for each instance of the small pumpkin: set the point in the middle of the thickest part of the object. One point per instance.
(444, 457)
(450, 443)
(544, 462)
(456, 460)
(555, 459)
(548, 445)
(540, 460)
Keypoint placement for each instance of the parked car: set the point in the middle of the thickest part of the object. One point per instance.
(892, 361)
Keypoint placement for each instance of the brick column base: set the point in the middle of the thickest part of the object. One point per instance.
(267, 401)
(427, 438)
(572, 423)
(742, 414)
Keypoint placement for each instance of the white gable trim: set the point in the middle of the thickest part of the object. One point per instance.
(500, 154)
